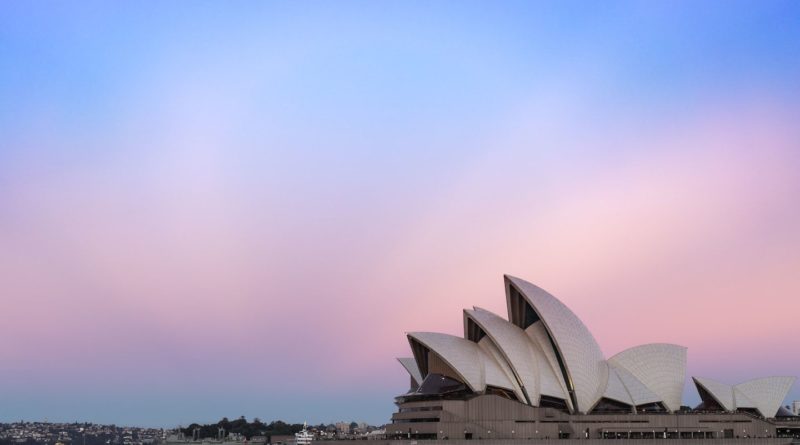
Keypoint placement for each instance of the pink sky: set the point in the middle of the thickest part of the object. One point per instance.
(247, 219)
(111, 283)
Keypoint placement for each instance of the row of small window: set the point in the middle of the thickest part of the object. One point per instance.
(422, 420)
(660, 435)
(725, 421)
(611, 421)
(420, 408)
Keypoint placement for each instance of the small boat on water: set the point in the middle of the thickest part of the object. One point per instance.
(303, 437)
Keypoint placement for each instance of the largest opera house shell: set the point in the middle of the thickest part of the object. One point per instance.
(543, 355)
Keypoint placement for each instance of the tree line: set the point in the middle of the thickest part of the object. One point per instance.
(243, 427)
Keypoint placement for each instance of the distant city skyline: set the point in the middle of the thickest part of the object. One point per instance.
(215, 210)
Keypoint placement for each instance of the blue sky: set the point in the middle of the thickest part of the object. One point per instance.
(179, 178)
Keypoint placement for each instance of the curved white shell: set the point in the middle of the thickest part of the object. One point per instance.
(585, 367)
(766, 393)
(661, 367)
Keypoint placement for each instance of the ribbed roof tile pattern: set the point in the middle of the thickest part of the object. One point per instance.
(740, 400)
(764, 394)
(580, 352)
(661, 367)
(767, 393)
(473, 365)
(551, 383)
(490, 350)
(721, 392)
(460, 354)
(514, 345)
(615, 390)
(640, 394)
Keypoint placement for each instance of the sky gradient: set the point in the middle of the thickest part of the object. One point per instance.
(224, 209)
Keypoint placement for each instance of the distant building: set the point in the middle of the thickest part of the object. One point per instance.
(796, 407)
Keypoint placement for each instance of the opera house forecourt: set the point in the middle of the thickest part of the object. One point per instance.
(540, 375)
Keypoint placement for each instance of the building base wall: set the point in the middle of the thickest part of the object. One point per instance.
(753, 441)
(487, 418)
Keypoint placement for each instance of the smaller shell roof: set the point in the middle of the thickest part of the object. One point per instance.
(640, 394)
(466, 358)
(616, 390)
(764, 394)
(721, 392)
(767, 394)
(661, 367)
(740, 400)
(411, 367)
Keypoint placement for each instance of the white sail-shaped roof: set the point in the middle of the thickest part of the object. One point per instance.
(411, 367)
(584, 367)
(461, 355)
(490, 349)
(624, 387)
(471, 364)
(494, 369)
(640, 394)
(551, 382)
(515, 347)
(615, 389)
(544, 352)
(764, 394)
(661, 367)
(740, 400)
(767, 394)
(721, 392)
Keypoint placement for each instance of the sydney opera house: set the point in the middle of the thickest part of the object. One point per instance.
(540, 374)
